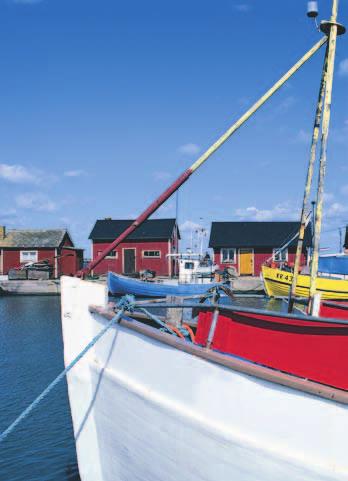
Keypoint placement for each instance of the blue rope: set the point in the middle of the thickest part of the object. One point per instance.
(157, 320)
(52, 385)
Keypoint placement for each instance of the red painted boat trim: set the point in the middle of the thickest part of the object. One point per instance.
(309, 349)
(334, 310)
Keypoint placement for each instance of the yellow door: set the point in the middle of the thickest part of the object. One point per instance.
(246, 262)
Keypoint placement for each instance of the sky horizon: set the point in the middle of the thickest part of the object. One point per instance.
(105, 104)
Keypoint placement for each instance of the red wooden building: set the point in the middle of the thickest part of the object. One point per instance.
(247, 245)
(146, 248)
(19, 247)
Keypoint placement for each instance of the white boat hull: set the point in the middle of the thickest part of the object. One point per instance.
(145, 410)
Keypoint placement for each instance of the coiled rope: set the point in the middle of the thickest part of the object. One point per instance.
(54, 383)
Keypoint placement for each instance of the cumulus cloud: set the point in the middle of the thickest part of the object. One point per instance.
(189, 226)
(18, 174)
(35, 201)
(279, 212)
(343, 67)
(189, 149)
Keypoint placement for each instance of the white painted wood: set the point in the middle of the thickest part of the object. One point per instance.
(156, 413)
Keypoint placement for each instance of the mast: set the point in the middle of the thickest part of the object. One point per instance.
(332, 29)
(309, 178)
(200, 161)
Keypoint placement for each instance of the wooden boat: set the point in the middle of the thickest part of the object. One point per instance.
(278, 282)
(148, 405)
(335, 310)
(259, 396)
(120, 285)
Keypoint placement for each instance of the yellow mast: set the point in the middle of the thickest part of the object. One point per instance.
(332, 29)
(309, 178)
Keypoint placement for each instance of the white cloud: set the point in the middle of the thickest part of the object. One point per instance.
(343, 67)
(242, 7)
(279, 211)
(161, 175)
(35, 201)
(18, 174)
(189, 149)
(189, 226)
(74, 173)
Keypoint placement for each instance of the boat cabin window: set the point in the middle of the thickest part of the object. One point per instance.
(280, 256)
(228, 255)
(153, 254)
(189, 265)
(112, 255)
(28, 256)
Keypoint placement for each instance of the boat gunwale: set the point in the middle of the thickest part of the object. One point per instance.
(250, 310)
(236, 364)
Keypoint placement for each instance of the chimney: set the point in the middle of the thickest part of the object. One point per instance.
(2, 232)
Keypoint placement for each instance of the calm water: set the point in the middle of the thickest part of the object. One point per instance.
(31, 355)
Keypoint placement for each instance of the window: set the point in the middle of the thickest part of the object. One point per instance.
(112, 255)
(152, 254)
(28, 256)
(228, 255)
(280, 255)
(189, 265)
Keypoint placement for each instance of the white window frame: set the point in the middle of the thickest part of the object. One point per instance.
(112, 257)
(229, 260)
(151, 257)
(34, 258)
(281, 259)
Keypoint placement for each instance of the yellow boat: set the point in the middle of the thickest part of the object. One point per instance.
(277, 283)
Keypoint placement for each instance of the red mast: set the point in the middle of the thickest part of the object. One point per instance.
(183, 177)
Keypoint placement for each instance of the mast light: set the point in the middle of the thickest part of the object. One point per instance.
(312, 9)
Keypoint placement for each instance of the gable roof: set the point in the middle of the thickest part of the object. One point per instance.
(30, 238)
(109, 229)
(255, 234)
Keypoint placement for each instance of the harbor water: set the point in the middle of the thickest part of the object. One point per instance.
(31, 355)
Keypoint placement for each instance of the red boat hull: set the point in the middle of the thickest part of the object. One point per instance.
(305, 348)
(334, 310)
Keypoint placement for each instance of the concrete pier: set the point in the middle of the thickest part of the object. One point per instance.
(30, 287)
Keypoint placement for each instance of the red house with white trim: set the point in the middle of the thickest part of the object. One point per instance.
(145, 248)
(55, 246)
(247, 245)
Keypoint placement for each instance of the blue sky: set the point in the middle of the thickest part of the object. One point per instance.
(105, 103)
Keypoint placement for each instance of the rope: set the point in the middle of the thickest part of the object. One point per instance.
(53, 384)
(157, 320)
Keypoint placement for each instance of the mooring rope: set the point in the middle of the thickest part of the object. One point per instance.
(53, 384)
(157, 320)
